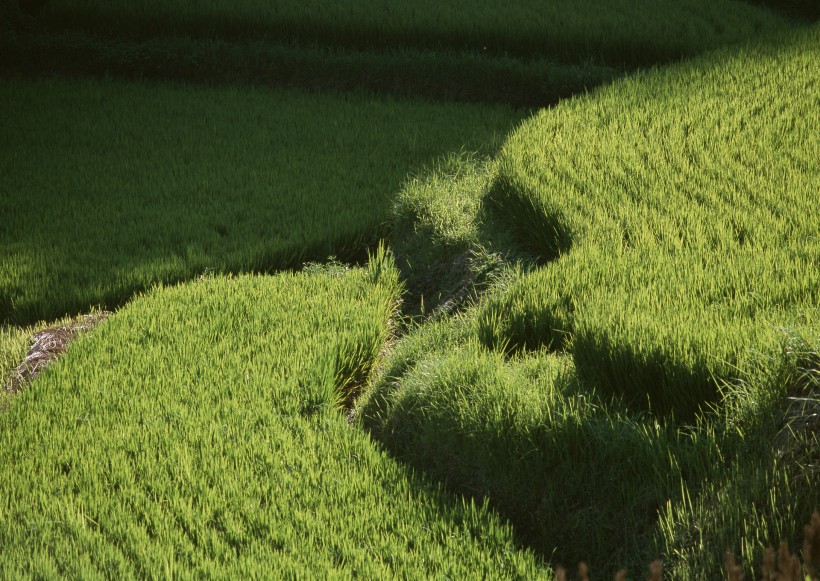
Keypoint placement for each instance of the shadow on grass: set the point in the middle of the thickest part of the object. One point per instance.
(118, 186)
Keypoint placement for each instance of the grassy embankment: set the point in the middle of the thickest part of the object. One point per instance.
(197, 432)
(671, 225)
(679, 212)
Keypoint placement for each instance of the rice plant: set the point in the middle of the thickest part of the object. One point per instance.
(641, 369)
(677, 212)
(108, 187)
(623, 32)
(196, 432)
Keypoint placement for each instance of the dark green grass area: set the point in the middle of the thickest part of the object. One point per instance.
(798, 9)
(621, 32)
(679, 212)
(108, 187)
(524, 54)
(196, 432)
(448, 75)
(579, 480)
(764, 493)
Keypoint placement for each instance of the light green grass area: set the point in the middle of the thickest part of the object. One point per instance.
(679, 212)
(14, 342)
(598, 339)
(196, 432)
(108, 187)
(626, 31)
(689, 199)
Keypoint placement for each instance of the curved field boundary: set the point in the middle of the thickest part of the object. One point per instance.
(196, 431)
(679, 211)
(109, 187)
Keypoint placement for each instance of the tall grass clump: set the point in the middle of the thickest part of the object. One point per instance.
(676, 212)
(108, 187)
(446, 249)
(771, 485)
(583, 478)
(196, 432)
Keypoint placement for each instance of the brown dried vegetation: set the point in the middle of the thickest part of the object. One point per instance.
(48, 345)
(780, 565)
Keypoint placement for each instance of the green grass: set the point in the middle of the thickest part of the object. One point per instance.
(108, 187)
(582, 478)
(806, 9)
(619, 32)
(578, 479)
(665, 248)
(196, 432)
(578, 476)
(14, 343)
(524, 54)
(764, 494)
(677, 210)
(439, 236)
(640, 379)
(461, 76)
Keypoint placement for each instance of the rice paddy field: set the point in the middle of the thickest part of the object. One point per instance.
(663, 313)
(371, 318)
(638, 32)
(526, 53)
(137, 184)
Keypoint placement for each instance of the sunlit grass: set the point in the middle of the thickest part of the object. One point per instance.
(632, 361)
(197, 431)
(679, 211)
(626, 390)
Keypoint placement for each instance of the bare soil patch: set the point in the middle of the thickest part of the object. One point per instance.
(48, 345)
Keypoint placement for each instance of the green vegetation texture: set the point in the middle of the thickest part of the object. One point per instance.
(523, 53)
(622, 390)
(108, 187)
(601, 344)
(620, 32)
(678, 212)
(196, 432)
